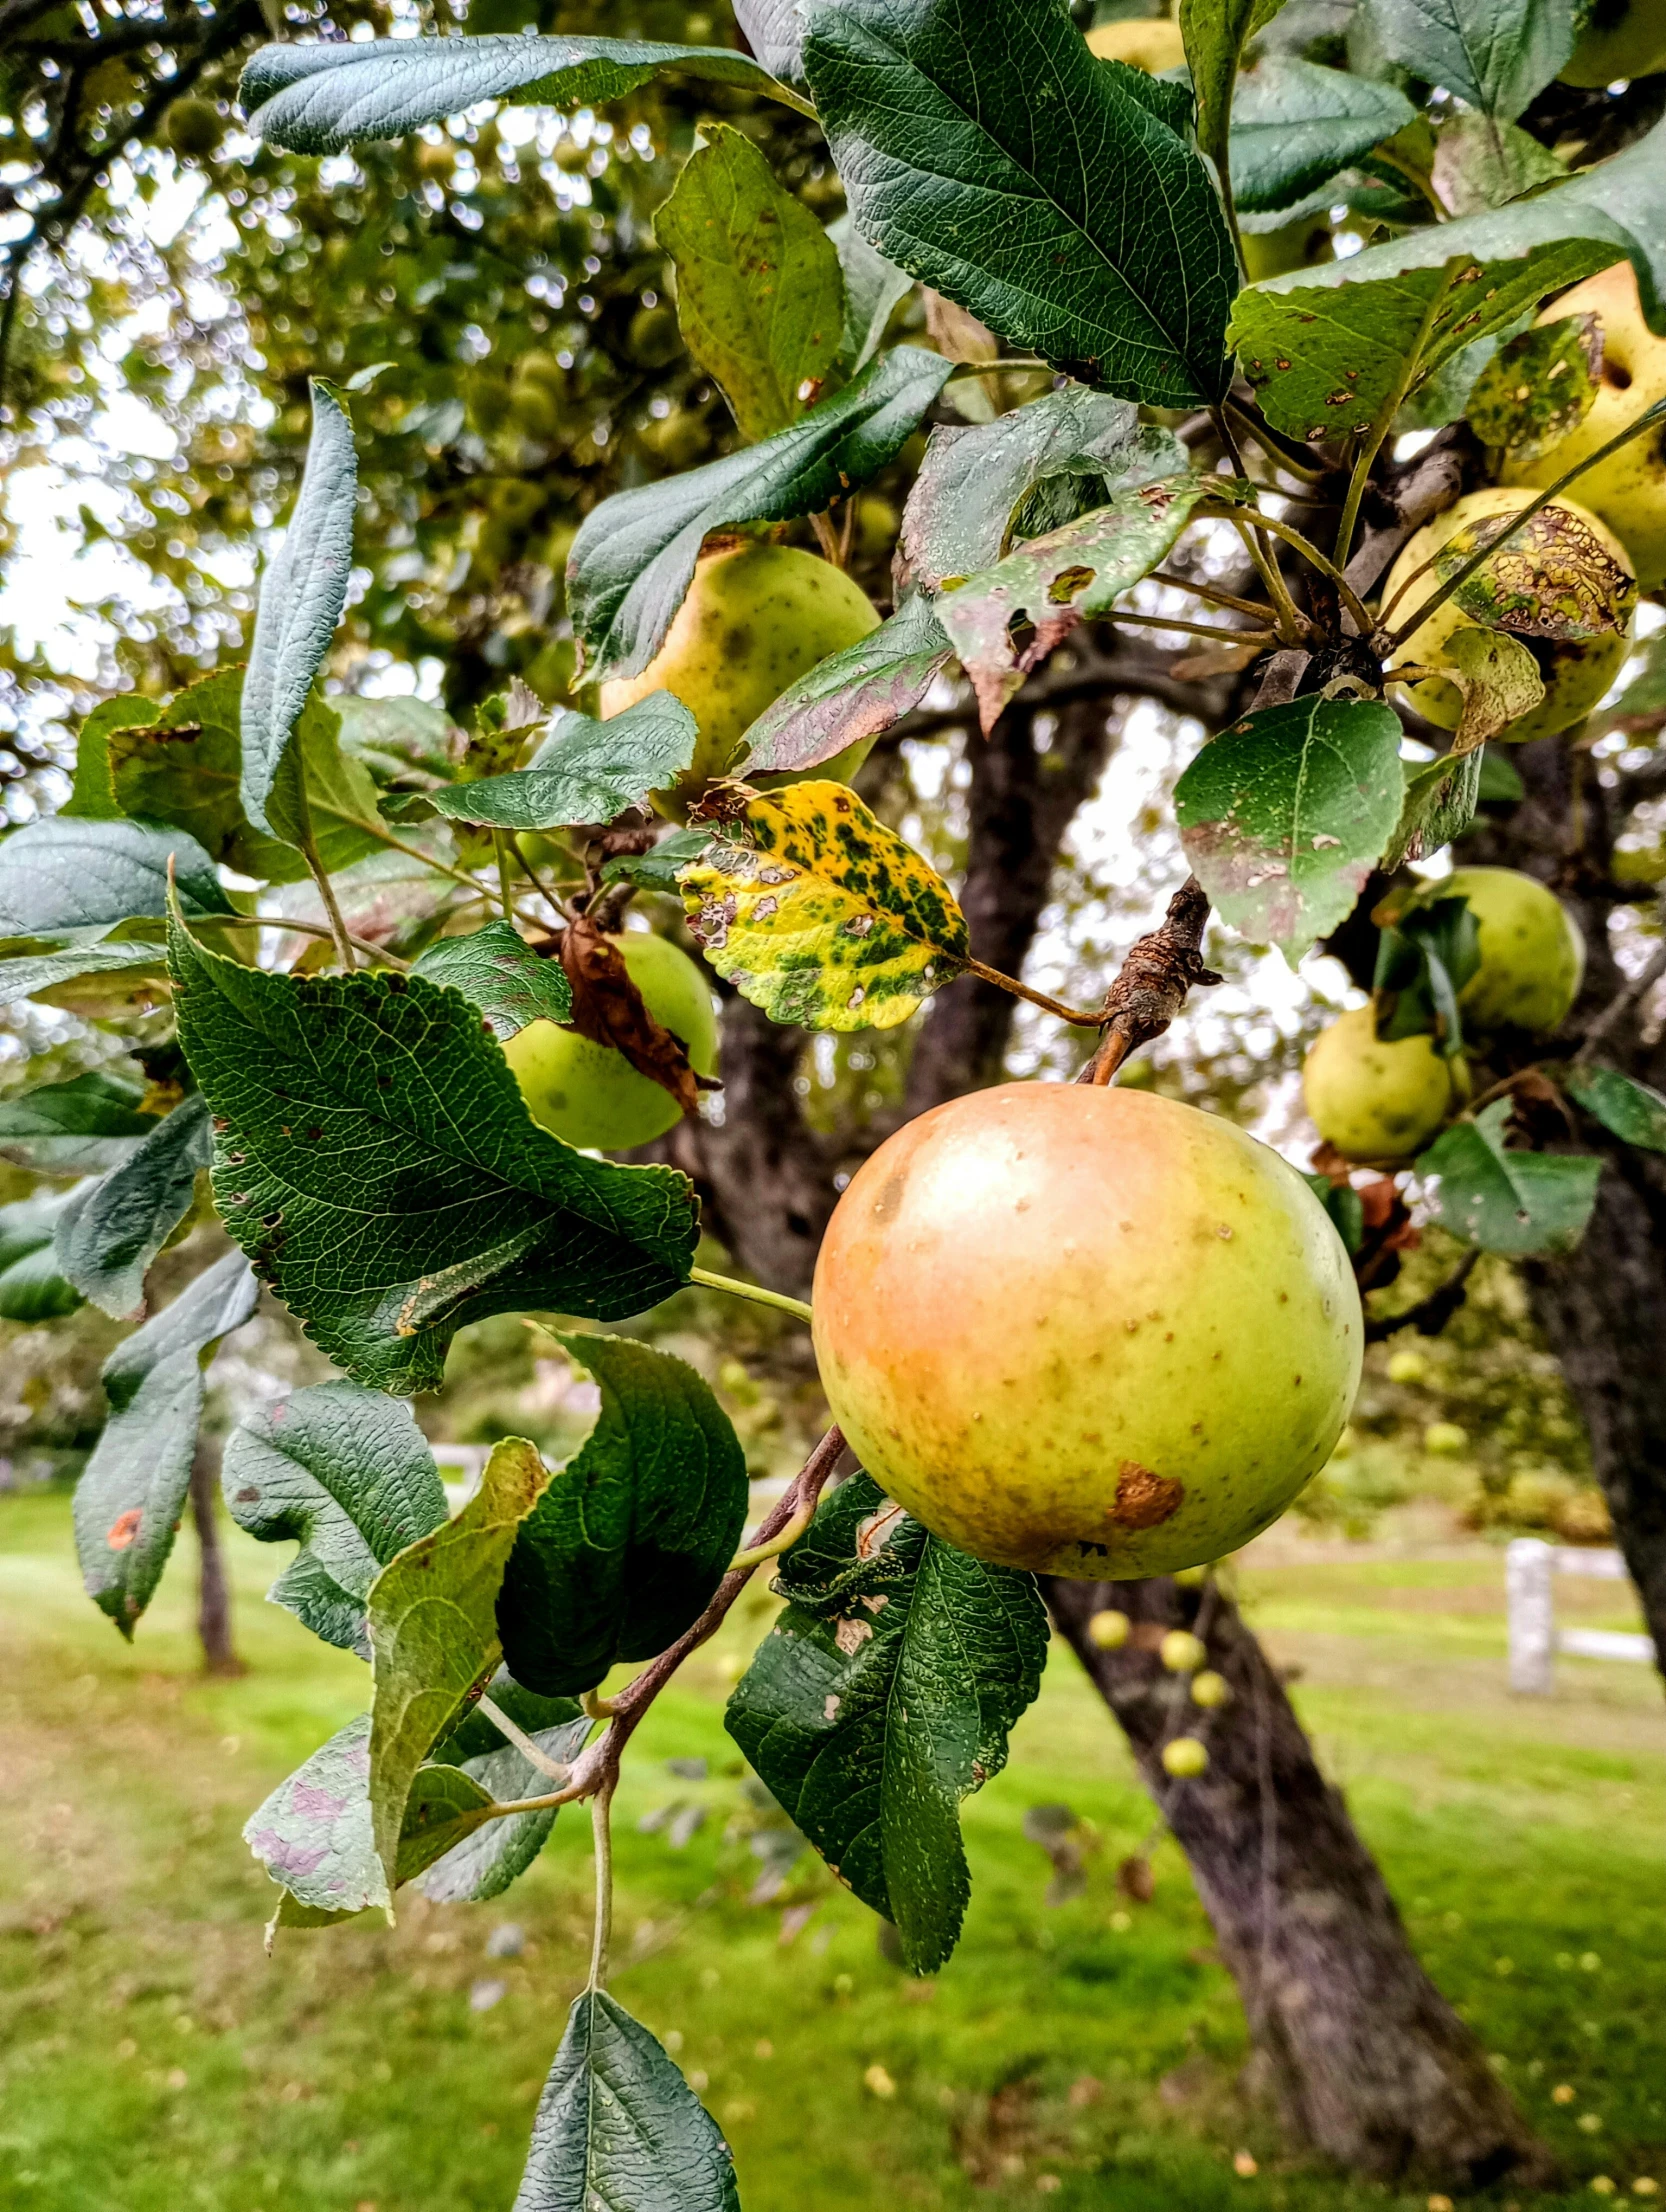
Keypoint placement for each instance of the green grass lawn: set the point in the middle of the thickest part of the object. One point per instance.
(154, 2059)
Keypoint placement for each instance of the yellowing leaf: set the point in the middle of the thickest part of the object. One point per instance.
(1500, 682)
(819, 914)
(1552, 578)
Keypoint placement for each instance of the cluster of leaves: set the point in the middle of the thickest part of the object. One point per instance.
(370, 1153)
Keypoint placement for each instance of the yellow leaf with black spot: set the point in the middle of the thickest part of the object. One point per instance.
(819, 914)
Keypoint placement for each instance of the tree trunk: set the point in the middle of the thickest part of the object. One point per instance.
(1368, 2062)
(219, 1653)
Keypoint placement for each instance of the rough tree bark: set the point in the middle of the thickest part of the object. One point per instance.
(1370, 2065)
(1368, 2061)
(219, 1652)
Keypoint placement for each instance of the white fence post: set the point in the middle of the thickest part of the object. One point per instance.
(1529, 1566)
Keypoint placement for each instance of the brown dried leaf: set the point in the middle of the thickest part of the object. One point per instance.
(1135, 1879)
(610, 1010)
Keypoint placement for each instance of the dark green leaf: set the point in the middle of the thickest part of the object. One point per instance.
(1501, 783)
(81, 1127)
(477, 1737)
(873, 287)
(1539, 388)
(1342, 1202)
(1054, 582)
(49, 971)
(627, 1545)
(585, 771)
(128, 1501)
(1215, 34)
(382, 1219)
(657, 868)
(1327, 359)
(498, 972)
(111, 1229)
(760, 293)
(1518, 1203)
(1635, 1113)
(301, 596)
(77, 880)
(1425, 957)
(1439, 806)
(433, 1631)
(498, 1851)
(985, 150)
(882, 1697)
(342, 810)
(634, 554)
(849, 696)
(975, 478)
(1496, 54)
(1284, 816)
(316, 99)
(346, 1474)
(618, 2126)
(32, 1290)
(1295, 125)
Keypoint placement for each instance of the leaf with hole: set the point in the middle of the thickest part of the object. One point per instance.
(382, 1219)
(1286, 813)
(986, 151)
(129, 1498)
(760, 293)
(1517, 1203)
(819, 914)
(634, 555)
(882, 1697)
(113, 1227)
(631, 1539)
(584, 771)
(347, 1475)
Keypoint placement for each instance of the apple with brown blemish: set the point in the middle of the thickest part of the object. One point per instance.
(1087, 1331)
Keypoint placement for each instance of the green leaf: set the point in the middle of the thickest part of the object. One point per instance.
(882, 1697)
(318, 98)
(1425, 957)
(1620, 203)
(634, 555)
(92, 794)
(1295, 125)
(1635, 1113)
(976, 478)
(1496, 54)
(433, 1630)
(1439, 806)
(658, 868)
(76, 881)
(31, 1288)
(1481, 163)
(342, 813)
(498, 972)
(1057, 581)
(1518, 1203)
(1501, 783)
(1539, 388)
(760, 293)
(1329, 359)
(985, 150)
(585, 771)
(346, 1474)
(851, 695)
(112, 1228)
(775, 32)
(819, 914)
(618, 2126)
(497, 1852)
(1284, 816)
(384, 1218)
(873, 288)
(302, 596)
(49, 971)
(81, 1127)
(314, 1833)
(1498, 679)
(632, 1537)
(129, 1498)
(1554, 580)
(393, 736)
(1215, 33)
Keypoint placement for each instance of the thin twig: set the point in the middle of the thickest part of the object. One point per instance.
(1035, 998)
(752, 1292)
(320, 874)
(1132, 616)
(522, 1742)
(1212, 592)
(1430, 1315)
(601, 1828)
(1151, 986)
(371, 950)
(1315, 559)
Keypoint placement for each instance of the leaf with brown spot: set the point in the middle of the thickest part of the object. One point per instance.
(1553, 579)
(610, 1010)
(1538, 389)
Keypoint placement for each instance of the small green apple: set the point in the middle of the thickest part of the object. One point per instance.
(1445, 1440)
(1108, 1629)
(1210, 1690)
(1185, 1758)
(1087, 1331)
(589, 1094)
(1182, 1652)
(1371, 1100)
(1621, 38)
(753, 621)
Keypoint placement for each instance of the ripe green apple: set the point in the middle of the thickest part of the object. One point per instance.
(1185, 1758)
(754, 620)
(591, 1095)
(1088, 1331)
(1152, 43)
(1576, 671)
(1532, 954)
(1621, 38)
(1375, 1101)
(1628, 490)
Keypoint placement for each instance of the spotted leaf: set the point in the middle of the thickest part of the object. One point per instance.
(1552, 579)
(819, 914)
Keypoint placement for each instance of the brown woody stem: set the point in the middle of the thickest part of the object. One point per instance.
(1151, 987)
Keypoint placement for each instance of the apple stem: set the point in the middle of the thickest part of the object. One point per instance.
(758, 1296)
